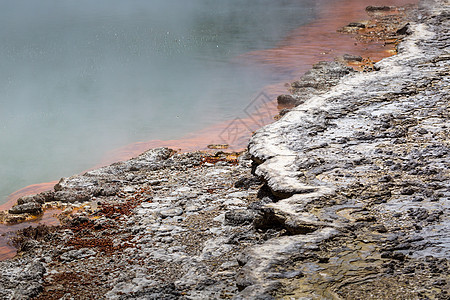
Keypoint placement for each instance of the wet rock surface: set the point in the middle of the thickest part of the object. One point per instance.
(345, 197)
(361, 178)
(316, 81)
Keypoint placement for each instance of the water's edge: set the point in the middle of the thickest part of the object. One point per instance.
(298, 52)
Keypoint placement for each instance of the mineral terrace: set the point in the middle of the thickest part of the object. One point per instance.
(345, 197)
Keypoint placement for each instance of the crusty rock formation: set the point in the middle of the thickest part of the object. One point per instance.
(159, 226)
(361, 175)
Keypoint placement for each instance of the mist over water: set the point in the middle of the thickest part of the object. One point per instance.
(80, 77)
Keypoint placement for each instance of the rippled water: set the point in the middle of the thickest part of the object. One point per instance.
(79, 78)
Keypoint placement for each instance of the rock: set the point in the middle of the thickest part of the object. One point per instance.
(239, 217)
(30, 199)
(322, 76)
(404, 30)
(284, 111)
(349, 57)
(394, 255)
(258, 205)
(41, 198)
(166, 292)
(240, 194)
(22, 281)
(35, 271)
(385, 178)
(106, 191)
(356, 24)
(440, 282)
(286, 101)
(218, 146)
(12, 219)
(371, 8)
(71, 196)
(78, 220)
(239, 238)
(288, 274)
(154, 182)
(422, 131)
(247, 182)
(26, 208)
(171, 212)
(379, 228)
(128, 189)
(234, 202)
(78, 254)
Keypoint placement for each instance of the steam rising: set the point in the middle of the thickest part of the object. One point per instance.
(79, 78)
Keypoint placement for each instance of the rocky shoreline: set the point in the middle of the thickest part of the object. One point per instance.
(345, 197)
(361, 180)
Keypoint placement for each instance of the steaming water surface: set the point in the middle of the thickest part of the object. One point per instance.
(79, 78)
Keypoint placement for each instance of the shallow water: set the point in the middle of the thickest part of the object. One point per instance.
(7, 250)
(79, 78)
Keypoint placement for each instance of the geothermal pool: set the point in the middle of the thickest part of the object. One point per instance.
(80, 78)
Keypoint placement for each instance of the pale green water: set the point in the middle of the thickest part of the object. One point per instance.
(81, 77)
